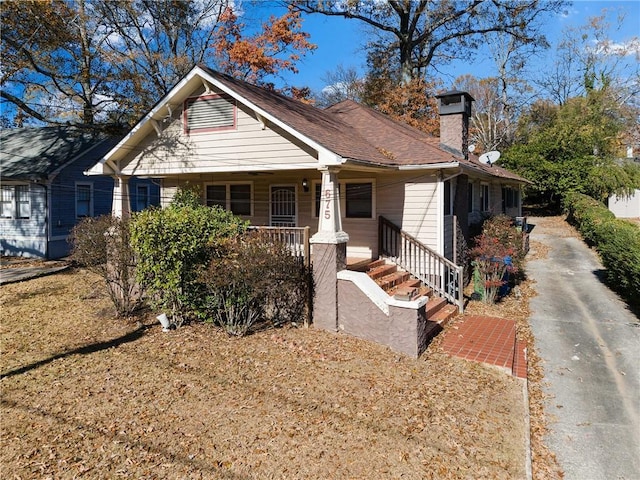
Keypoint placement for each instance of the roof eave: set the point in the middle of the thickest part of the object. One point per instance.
(430, 166)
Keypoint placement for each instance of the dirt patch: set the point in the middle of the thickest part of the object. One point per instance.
(85, 394)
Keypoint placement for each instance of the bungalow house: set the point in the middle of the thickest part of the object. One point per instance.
(44, 191)
(367, 186)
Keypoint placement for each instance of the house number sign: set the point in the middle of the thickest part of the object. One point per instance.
(327, 208)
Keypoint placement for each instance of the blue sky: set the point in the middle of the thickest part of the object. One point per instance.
(340, 42)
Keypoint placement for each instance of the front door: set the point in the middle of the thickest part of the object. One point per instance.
(283, 206)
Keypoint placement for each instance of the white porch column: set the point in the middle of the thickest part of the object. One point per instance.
(329, 253)
(121, 206)
(330, 221)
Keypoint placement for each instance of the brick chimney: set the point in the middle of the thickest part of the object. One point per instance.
(454, 108)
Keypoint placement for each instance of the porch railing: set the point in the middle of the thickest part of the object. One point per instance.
(296, 238)
(443, 276)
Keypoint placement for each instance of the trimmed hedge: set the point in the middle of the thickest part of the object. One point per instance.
(617, 241)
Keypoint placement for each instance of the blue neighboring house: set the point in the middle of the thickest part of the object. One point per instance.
(44, 192)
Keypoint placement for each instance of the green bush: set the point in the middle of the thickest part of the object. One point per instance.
(251, 279)
(173, 245)
(617, 241)
(102, 245)
(588, 214)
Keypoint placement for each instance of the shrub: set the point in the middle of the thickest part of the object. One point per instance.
(498, 251)
(102, 245)
(503, 228)
(617, 241)
(254, 279)
(492, 264)
(588, 214)
(173, 245)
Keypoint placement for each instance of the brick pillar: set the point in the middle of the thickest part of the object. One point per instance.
(329, 253)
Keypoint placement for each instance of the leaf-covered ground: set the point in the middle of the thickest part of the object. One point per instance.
(85, 395)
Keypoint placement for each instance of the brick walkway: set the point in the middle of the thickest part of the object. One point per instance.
(487, 340)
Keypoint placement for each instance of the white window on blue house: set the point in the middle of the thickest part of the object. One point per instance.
(15, 202)
(84, 200)
(142, 197)
(235, 197)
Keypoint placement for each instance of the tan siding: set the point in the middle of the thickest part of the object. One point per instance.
(412, 206)
(249, 146)
(420, 216)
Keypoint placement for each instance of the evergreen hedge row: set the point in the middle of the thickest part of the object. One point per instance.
(616, 240)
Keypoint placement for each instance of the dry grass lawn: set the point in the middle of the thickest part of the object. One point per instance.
(85, 395)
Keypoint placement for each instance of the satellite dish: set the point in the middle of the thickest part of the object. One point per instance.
(489, 158)
(472, 148)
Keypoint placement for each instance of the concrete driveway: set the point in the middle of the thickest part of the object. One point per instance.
(590, 346)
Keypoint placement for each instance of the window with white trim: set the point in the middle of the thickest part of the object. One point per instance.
(84, 200)
(510, 198)
(235, 197)
(484, 197)
(209, 113)
(358, 198)
(15, 202)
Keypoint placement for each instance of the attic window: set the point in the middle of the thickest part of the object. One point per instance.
(209, 113)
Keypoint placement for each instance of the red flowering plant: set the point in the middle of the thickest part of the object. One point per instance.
(497, 254)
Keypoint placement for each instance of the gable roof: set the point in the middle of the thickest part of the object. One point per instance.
(345, 133)
(327, 130)
(35, 154)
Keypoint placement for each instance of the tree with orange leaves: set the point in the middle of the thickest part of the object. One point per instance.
(276, 48)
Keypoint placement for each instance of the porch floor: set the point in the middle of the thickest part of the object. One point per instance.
(488, 340)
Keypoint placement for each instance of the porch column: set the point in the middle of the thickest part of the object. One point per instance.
(329, 253)
(121, 206)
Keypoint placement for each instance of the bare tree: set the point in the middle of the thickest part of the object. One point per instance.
(423, 31)
(344, 83)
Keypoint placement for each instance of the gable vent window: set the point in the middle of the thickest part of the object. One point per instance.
(209, 113)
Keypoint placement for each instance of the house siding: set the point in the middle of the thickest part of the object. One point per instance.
(411, 206)
(625, 207)
(249, 146)
(27, 237)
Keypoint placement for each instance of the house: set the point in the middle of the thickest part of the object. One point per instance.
(44, 189)
(367, 186)
(626, 207)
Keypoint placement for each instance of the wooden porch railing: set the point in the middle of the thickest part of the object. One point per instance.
(443, 276)
(296, 238)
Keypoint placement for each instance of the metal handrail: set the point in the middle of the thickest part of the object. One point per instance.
(443, 276)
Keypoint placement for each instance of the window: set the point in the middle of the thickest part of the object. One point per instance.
(240, 199)
(235, 197)
(208, 113)
(448, 204)
(84, 200)
(470, 198)
(359, 200)
(142, 197)
(484, 197)
(510, 198)
(15, 202)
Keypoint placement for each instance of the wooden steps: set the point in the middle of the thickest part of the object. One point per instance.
(400, 285)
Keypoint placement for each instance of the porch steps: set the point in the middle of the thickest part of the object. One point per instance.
(400, 285)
